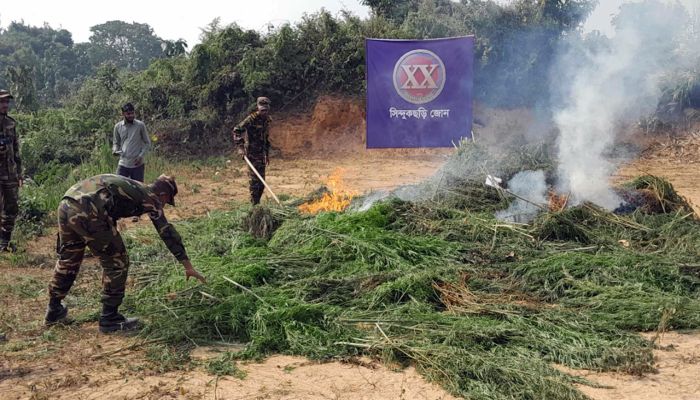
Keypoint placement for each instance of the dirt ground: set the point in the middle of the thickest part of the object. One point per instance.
(678, 364)
(76, 362)
(215, 187)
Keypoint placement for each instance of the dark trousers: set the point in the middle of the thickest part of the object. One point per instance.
(255, 185)
(135, 173)
(8, 209)
(80, 227)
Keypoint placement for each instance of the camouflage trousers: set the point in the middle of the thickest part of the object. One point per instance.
(77, 228)
(255, 185)
(8, 200)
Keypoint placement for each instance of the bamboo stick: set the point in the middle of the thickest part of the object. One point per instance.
(252, 168)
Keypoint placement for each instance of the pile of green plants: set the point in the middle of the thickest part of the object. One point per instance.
(662, 194)
(484, 308)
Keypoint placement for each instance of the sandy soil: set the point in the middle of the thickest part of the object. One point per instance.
(279, 377)
(74, 373)
(214, 188)
(678, 363)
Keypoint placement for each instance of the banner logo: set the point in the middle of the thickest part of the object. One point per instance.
(419, 76)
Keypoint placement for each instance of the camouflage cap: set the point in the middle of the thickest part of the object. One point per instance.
(263, 103)
(5, 94)
(165, 184)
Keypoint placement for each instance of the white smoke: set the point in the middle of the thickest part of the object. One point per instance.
(607, 87)
(369, 200)
(529, 185)
(406, 193)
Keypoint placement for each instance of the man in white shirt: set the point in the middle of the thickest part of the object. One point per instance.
(131, 143)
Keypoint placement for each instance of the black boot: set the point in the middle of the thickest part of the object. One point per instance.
(5, 244)
(8, 247)
(56, 313)
(112, 321)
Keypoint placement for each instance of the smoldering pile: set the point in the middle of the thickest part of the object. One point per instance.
(434, 279)
(521, 187)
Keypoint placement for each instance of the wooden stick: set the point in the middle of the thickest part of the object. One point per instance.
(261, 179)
(245, 289)
(216, 388)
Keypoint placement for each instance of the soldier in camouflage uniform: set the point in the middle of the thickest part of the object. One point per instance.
(255, 144)
(87, 216)
(10, 172)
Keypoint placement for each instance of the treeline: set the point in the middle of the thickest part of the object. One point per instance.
(515, 46)
(43, 66)
(194, 97)
(191, 99)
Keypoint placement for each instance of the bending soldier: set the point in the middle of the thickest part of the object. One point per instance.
(10, 172)
(255, 144)
(87, 216)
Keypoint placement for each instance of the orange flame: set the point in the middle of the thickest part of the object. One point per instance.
(337, 199)
(557, 202)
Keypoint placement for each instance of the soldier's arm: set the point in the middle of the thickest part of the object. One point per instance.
(172, 239)
(268, 145)
(18, 160)
(173, 242)
(238, 131)
(137, 194)
(168, 234)
(116, 141)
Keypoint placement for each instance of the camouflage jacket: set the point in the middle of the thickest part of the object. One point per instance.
(257, 140)
(10, 163)
(119, 197)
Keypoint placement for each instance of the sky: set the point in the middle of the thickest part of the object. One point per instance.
(177, 19)
(172, 19)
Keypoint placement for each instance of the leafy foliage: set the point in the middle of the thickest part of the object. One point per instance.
(128, 45)
(43, 66)
(37, 63)
(478, 306)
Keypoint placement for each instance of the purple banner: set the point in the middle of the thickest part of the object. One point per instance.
(419, 92)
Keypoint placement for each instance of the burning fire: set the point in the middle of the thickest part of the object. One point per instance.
(557, 202)
(337, 198)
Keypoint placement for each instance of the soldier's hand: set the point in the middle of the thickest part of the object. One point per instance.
(267, 160)
(241, 152)
(192, 273)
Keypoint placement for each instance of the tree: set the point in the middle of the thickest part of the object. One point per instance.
(108, 76)
(128, 45)
(392, 10)
(22, 86)
(567, 14)
(515, 42)
(51, 55)
(174, 48)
